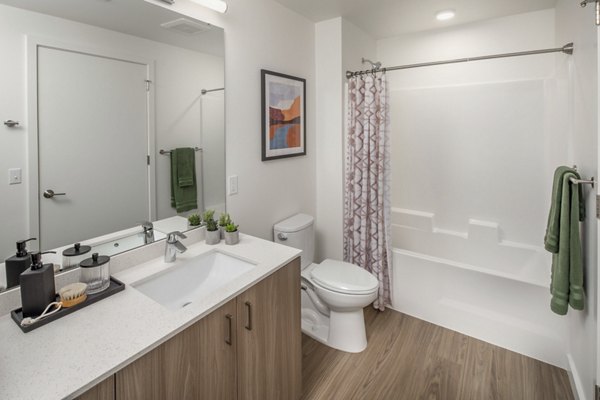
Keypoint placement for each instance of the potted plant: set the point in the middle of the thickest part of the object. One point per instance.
(224, 220)
(194, 220)
(207, 216)
(212, 230)
(232, 235)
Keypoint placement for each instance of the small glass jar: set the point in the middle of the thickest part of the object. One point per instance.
(72, 256)
(95, 272)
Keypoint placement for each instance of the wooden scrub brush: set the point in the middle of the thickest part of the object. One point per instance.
(72, 294)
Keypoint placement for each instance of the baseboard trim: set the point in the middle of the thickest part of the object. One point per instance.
(576, 385)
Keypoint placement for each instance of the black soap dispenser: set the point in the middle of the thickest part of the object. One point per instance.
(37, 286)
(17, 264)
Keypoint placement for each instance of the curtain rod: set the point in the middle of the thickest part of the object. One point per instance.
(204, 91)
(566, 49)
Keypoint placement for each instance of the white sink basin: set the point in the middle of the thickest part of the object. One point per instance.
(181, 285)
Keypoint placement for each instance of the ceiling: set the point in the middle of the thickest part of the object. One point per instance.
(136, 18)
(386, 18)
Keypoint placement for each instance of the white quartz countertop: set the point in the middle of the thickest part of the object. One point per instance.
(66, 357)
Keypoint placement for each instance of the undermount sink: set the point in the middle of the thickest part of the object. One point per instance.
(181, 285)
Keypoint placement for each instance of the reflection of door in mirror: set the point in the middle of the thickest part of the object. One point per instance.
(93, 140)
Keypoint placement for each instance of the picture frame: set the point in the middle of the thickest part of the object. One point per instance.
(283, 116)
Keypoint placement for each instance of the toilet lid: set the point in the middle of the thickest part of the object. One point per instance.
(344, 277)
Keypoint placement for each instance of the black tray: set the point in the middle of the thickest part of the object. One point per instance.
(116, 286)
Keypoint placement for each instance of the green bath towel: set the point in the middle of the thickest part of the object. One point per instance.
(183, 180)
(563, 241)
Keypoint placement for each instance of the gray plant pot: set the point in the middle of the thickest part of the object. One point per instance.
(213, 237)
(232, 237)
(222, 231)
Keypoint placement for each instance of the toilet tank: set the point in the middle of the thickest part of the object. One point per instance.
(297, 231)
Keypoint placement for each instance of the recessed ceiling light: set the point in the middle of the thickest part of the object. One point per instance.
(445, 15)
(217, 5)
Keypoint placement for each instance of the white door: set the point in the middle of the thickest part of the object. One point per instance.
(93, 145)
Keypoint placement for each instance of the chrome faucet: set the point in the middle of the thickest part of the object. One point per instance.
(174, 246)
(148, 232)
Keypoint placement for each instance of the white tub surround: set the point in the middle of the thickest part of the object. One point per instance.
(476, 283)
(75, 353)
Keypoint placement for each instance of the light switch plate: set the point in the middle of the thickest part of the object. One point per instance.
(233, 185)
(14, 176)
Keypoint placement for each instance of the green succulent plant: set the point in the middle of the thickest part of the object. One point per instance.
(211, 225)
(207, 216)
(194, 219)
(224, 219)
(231, 227)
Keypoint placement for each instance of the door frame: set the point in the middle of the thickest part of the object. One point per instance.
(34, 190)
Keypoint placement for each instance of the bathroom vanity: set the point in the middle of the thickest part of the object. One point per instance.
(240, 340)
(249, 348)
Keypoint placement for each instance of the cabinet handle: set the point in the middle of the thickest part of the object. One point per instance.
(229, 331)
(249, 315)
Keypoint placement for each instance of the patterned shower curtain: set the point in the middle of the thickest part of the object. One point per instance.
(367, 187)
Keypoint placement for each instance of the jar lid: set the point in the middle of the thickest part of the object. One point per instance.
(95, 261)
(76, 250)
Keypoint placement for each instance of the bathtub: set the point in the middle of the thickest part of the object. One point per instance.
(474, 283)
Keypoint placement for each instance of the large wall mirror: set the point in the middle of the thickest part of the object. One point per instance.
(103, 98)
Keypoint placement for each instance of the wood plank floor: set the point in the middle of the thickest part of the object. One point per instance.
(412, 359)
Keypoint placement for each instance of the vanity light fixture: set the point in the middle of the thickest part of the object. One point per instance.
(217, 5)
(445, 15)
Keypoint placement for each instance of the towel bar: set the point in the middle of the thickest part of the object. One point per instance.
(163, 152)
(583, 181)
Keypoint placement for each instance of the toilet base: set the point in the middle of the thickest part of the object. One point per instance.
(343, 331)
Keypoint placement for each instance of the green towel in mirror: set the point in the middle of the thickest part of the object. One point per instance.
(184, 195)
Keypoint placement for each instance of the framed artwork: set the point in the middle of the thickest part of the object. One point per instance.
(283, 116)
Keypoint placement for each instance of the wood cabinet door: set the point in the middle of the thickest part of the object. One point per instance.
(269, 337)
(141, 380)
(105, 390)
(200, 362)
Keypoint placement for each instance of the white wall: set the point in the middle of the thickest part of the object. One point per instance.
(340, 46)
(579, 84)
(329, 103)
(179, 76)
(263, 34)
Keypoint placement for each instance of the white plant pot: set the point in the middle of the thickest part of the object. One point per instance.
(213, 237)
(232, 237)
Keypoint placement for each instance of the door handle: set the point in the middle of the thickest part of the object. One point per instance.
(229, 329)
(49, 193)
(248, 315)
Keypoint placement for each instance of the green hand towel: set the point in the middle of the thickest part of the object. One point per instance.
(552, 231)
(563, 240)
(183, 180)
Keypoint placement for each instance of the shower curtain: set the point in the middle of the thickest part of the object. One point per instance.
(367, 185)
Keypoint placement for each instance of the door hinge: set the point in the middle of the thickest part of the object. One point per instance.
(148, 82)
(598, 210)
(148, 159)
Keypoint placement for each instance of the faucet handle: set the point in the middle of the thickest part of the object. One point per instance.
(172, 236)
(147, 225)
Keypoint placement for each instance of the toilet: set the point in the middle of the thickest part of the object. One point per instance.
(334, 293)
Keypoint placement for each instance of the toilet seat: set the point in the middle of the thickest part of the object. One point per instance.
(343, 277)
